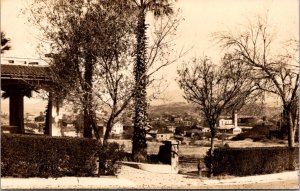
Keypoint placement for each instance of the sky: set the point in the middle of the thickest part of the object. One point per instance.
(201, 19)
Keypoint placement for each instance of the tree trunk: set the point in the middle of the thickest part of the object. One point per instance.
(108, 129)
(139, 144)
(212, 147)
(288, 125)
(87, 97)
(291, 131)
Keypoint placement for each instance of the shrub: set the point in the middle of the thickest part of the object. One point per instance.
(257, 133)
(208, 159)
(109, 154)
(250, 161)
(45, 156)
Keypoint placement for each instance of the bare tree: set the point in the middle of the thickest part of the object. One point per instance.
(215, 89)
(276, 67)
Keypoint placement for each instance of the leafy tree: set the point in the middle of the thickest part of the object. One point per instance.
(82, 34)
(277, 69)
(215, 89)
(4, 43)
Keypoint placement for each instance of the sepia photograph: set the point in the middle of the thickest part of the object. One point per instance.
(149, 94)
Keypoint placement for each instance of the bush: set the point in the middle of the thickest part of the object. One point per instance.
(45, 156)
(250, 161)
(109, 154)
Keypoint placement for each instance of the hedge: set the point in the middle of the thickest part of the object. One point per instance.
(45, 156)
(251, 161)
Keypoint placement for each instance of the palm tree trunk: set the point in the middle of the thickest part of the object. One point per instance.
(87, 97)
(139, 145)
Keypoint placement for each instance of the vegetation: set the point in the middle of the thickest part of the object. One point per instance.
(43, 156)
(109, 155)
(252, 161)
(276, 73)
(4, 43)
(90, 40)
(215, 89)
(91, 53)
(159, 8)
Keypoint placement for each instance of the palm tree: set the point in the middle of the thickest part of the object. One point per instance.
(4, 43)
(159, 8)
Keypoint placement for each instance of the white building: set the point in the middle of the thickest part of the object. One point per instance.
(236, 130)
(117, 128)
(206, 129)
(226, 124)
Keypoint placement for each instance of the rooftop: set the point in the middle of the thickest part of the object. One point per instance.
(9, 71)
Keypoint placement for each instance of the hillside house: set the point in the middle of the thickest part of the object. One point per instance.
(187, 123)
(178, 120)
(164, 134)
(171, 128)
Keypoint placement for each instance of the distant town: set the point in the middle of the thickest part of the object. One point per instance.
(170, 121)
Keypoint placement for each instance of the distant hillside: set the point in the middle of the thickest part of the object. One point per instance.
(181, 108)
(176, 108)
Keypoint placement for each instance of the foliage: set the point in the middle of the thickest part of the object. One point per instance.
(4, 43)
(251, 161)
(208, 160)
(44, 156)
(88, 39)
(258, 132)
(109, 155)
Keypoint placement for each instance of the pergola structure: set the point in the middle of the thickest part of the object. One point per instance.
(18, 81)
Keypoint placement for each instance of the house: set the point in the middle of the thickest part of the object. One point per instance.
(171, 128)
(40, 118)
(187, 123)
(177, 120)
(206, 129)
(117, 128)
(163, 134)
(153, 133)
(236, 130)
(225, 123)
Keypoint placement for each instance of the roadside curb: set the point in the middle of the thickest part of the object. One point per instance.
(66, 183)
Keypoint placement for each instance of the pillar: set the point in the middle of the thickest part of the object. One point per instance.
(16, 110)
(168, 154)
(174, 156)
(48, 122)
